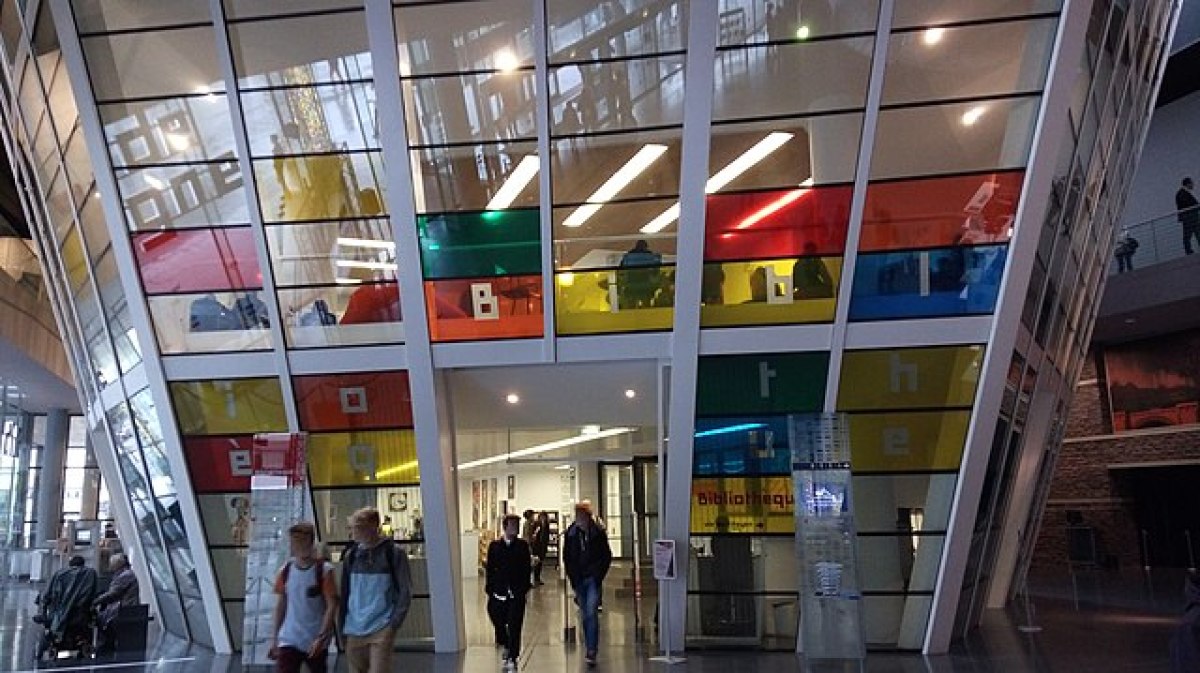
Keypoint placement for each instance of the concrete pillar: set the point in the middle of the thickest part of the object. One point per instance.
(50, 485)
(90, 510)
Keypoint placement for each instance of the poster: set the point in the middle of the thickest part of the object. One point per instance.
(494, 511)
(1154, 382)
(476, 501)
(746, 505)
(664, 559)
(512, 487)
(485, 510)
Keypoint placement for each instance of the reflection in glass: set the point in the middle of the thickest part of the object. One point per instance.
(617, 95)
(793, 222)
(300, 120)
(633, 164)
(834, 72)
(175, 130)
(470, 107)
(333, 49)
(159, 63)
(770, 292)
(936, 12)
(243, 9)
(322, 187)
(954, 138)
(445, 37)
(210, 323)
(584, 29)
(176, 197)
(745, 21)
(402, 503)
(785, 153)
(349, 252)
(896, 621)
(968, 61)
(887, 503)
(963, 280)
(480, 244)
(609, 233)
(476, 177)
(98, 16)
(352, 313)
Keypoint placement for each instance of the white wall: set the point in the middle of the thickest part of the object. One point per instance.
(539, 487)
(1171, 152)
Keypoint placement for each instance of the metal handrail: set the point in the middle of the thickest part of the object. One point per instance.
(1160, 239)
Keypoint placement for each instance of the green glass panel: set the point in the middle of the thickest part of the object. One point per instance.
(480, 245)
(761, 384)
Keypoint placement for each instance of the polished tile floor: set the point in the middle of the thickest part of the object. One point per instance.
(1122, 623)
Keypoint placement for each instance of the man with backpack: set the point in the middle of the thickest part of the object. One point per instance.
(376, 594)
(306, 607)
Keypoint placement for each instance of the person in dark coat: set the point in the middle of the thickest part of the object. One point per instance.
(65, 603)
(507, 582)
(1185, 644)
(123, 592)
(1188, 213)
(540, 546)
(587, 557)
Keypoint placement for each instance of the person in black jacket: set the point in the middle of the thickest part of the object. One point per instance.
(508, 568)
(587, 556)
(1188, 213)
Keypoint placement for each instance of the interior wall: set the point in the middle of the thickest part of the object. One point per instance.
(1169, 154)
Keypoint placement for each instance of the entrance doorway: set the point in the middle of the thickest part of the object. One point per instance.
(542, 438)
(1166, 507)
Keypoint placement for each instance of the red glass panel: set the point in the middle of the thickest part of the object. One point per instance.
(778, 223)
(354, 401)
(219, 464)
(937, 212)
(197, 260)
(484, 308)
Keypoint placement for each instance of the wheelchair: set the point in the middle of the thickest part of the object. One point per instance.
(77, 639)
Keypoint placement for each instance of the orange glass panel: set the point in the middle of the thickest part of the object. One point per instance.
(935, 212)
(353, 401)
(484, 308)
(777, 223)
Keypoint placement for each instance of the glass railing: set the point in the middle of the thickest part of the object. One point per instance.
(1155, 241)
(18, 262)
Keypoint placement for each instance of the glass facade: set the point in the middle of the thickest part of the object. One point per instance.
(899, 212)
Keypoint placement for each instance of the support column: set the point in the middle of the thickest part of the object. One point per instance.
(90, 509)
(50, 485)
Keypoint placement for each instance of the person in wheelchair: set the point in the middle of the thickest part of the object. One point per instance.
(66, 609)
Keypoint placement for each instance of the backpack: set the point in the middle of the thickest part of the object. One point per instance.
(348, 560)
(315, 589)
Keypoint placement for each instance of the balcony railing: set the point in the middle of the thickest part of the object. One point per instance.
(1159, 240)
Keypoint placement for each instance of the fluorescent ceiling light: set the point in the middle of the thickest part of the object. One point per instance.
(776, 205)
(619, 180)
(729, 429)
(747, 160)
(366, 243)
(543, 448)
(515, 184)
(971, 116)
(512, 398)
(360, 264)
(348, 281)
(399, 469)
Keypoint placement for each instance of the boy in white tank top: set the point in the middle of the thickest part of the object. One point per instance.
(306, 606)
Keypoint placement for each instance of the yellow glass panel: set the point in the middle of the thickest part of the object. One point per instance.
(907, 442)
(357, 458)
(73, 260)
(752, 505)
(614, 300)
(909, 378)
(229, 407)
(768, 293)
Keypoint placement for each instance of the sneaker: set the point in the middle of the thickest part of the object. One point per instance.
(590, 658)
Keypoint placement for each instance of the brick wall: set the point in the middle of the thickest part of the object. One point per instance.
(1083, 482)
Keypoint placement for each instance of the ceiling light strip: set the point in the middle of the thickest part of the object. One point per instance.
(543, 448)
(618, 181)
(516, 183)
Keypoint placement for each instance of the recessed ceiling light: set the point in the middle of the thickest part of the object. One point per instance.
(506, 61)
(802, 32)
(630, 393)
(512, 398)
(971, 116)
(933, 35)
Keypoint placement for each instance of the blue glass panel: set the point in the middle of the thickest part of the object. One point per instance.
(743, 445)
(962, 280)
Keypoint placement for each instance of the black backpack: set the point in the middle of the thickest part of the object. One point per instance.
(315, 589)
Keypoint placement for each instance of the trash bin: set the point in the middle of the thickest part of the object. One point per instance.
(129, 631)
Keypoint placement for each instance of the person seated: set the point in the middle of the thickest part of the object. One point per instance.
(252, 311)
(123, 592)
(64, 604)
(810, 278)
(639, 279)
(208, 314)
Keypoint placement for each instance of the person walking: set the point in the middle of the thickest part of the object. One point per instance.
(376, 594)
(587, 557)
(305, 607)
(540, 546)
(507, 582)
(1188, 213)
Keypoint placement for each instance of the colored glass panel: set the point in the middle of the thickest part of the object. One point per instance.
(484, 308)
(473, 245)
(761, 384)
(614, 300)
(338, 315)
(773, 292)
(908, 442)
(357, 458)
(197, 260)
(353, 401)
(320, 187)
(936, 212)
(229, 406)
(748, 505)
(748, 445)
(909, 378)
(219, 464)
(927, 283)
(779, 223)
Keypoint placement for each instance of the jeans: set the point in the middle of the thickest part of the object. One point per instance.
(290, 660)
(587, 594)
